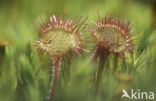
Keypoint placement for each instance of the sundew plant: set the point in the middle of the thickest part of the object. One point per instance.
(77, 50)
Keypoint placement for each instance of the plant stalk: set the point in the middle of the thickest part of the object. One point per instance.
(55, 77)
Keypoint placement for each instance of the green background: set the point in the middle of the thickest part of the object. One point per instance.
(25, 72)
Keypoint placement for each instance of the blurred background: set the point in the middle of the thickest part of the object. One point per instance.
(25, 73)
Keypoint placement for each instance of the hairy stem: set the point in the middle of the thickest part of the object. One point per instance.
(55, 77)
(102, 62)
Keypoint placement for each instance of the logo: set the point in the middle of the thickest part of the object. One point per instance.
(137, 95)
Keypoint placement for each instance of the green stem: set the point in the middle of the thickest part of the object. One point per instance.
(116, 62)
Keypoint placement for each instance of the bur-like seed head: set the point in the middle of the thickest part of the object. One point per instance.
(112, 34)
(111, 37)
(59, 36)
(58, 42)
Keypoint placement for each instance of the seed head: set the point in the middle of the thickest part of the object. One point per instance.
(58, 36)
(112, 35)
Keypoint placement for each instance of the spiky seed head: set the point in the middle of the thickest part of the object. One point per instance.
(58, 36)
(112, 34)
(58, 42)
